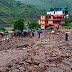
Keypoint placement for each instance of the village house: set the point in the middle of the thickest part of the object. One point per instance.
(54, 17)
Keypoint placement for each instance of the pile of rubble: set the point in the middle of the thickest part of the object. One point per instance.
(50, 53)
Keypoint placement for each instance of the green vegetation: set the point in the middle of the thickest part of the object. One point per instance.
(33, 26)
(11, 10)
(29, 10)
(3, 30)
(67, 21)
(67, 26)
(46, 4)
(19, 24)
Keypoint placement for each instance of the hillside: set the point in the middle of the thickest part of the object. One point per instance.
(27, 9)
(45, 4)
(11, 9)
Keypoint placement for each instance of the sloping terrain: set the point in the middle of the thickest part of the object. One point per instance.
(11, 9)
(45, 4)
(27, 9)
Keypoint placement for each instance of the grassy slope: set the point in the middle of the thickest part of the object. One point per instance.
(5, 17)
(46, 4)
(9, 10)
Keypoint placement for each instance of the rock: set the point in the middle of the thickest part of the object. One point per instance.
(53, 64)
(34, 53)
(32, 70)
(41, 65)
(7, 70)
(1, 71)
(46, 52)
(22, 69)
(67, 70)
(21, 63)
(16, 70)
(9, 66)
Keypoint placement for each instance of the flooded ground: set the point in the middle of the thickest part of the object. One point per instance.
(50, 53)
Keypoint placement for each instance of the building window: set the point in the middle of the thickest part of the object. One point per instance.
(49, 17)
(42, 25)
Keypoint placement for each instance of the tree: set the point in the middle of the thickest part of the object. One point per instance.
(67, 20)
(19, 24)
(3, 30)
(33, 25)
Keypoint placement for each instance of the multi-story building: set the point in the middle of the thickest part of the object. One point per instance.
(54, 17)
(50, 20)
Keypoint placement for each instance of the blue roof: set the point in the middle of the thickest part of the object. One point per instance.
(57, 9)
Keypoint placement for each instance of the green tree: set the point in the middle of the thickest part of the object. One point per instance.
(67, 20)
(19, 24)
(3, 30)
(33, 25)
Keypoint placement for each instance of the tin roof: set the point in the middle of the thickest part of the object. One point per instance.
(57, 9)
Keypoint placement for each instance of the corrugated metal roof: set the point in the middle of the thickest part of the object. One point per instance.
(57, 9)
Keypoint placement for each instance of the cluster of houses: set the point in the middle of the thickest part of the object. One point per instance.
(54, 17)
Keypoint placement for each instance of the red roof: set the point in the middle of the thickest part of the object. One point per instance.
(57, 15)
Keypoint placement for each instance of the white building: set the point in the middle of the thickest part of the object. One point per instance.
(55, 13)
(58, 11)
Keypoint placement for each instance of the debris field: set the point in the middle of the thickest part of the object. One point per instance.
(49, 53)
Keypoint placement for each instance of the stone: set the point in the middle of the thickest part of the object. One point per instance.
(67, 70)
(22, 69)
(53, 64)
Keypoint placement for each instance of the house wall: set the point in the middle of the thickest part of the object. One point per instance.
(42, 26)
(42, 22)
(59, 12)
(52, 12)
(39, 22)
(50, 22)
(55, 13)
(42, 17)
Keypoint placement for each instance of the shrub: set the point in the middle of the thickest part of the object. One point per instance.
(19, 24)
(33, 25)
(3, 30)
(67, 21)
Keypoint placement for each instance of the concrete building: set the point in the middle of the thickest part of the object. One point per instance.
(54, 17)
(50, 20)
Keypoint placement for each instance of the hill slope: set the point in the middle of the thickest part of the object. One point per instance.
(11, 9)
(27, 9)
(45, 4)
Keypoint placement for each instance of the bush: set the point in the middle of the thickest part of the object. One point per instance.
(67, 26)
(19, 24)
(33, 25)
(3, 30)
(67, 21)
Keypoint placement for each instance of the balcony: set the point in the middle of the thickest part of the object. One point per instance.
(53, 19)
(57, 19)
